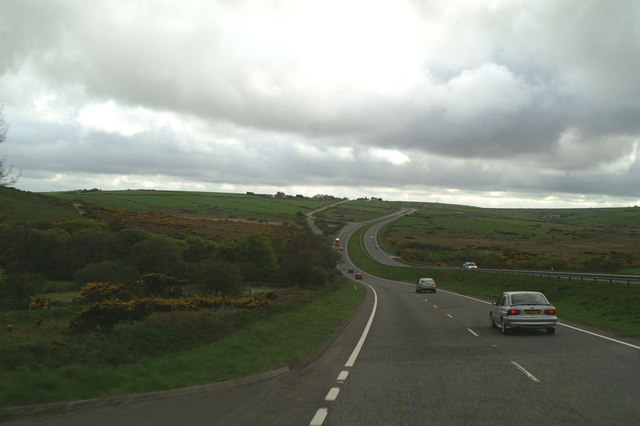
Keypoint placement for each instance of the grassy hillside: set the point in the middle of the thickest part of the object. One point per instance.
(583, 240)
(612, 306)
(198, 204)
(22, 206)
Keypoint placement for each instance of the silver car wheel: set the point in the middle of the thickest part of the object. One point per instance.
(503, 327)
(491, 322)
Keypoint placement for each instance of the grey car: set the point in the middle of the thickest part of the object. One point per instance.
(426, 284)
(526, 309)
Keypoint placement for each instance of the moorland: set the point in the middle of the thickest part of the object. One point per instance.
(112, 292)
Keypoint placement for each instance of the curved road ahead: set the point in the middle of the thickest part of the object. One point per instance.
(409, 359)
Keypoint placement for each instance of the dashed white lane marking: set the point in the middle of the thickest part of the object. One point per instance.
(318, 419)
(449, 315)
(322, 413)
(435, 306)
(559, 323)
(472, 332)
(526, 373)
(332, 394)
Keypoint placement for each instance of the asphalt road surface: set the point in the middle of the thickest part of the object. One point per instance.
(415, 359)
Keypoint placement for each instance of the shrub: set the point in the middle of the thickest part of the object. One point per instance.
(106, 315)
(41, 302)
(97, 292)
(106, 271)
(159, 286)
(140, 309)
(103, 316)
(217, 277)
(159, 254)
(17, 288)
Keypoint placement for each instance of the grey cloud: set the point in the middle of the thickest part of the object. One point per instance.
(495, 93)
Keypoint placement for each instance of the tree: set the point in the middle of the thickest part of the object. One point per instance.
(214, 276)
(6, 175)
(257, 258)
(158, 254)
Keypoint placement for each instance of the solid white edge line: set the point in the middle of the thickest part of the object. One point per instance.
(529, 375)
(356, 350)
(467, 297)
(599, 335)
(318, 419)
(472, 332)
(332, 394)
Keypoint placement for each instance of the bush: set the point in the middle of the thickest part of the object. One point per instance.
(17, 288)
(217, 277)
(101, 292)
(106, 271)
(158, 285)
(159, 254)
(106, 315)
(41, 302)
(103, 316)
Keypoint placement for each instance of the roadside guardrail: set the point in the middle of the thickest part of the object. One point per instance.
(629, 279)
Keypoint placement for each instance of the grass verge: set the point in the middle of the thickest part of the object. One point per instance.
(283, 337)
(614, 306)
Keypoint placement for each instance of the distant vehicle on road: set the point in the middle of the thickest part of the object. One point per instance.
(469, 265)
(526, 309)
(358, 276)
(350, 270)
(336, 242)
(426, 284)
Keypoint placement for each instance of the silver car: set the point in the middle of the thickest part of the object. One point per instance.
(526, 309)
(426, 284)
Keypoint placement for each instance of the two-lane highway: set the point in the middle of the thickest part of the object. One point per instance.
(432, 358)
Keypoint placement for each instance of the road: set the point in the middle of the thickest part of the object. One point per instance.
(432, 358)
(415, 359)
(371, 239)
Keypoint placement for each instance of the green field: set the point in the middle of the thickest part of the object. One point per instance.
(220, 205)
(167, 351)
(580, 240)
(361, 210)
(20, 206)
(612, 306)
(176, 349)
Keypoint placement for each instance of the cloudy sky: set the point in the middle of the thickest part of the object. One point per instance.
(487, 103)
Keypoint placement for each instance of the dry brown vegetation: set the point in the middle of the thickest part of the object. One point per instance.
(208, 226)
(516, 243)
